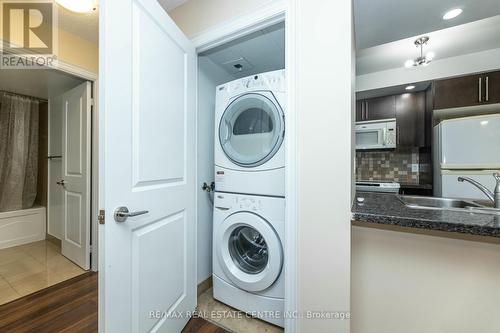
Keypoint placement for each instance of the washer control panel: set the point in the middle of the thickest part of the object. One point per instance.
(238, 202)
(250, 204)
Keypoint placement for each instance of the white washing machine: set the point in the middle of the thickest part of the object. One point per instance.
(248, 243)
(249, 135)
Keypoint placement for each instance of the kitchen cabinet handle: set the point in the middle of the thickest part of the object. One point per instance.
(487, 89)
(480, 89)
(397, 135)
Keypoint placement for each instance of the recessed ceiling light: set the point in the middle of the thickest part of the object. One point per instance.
(410, 87)
(451, 14)
(79, 6)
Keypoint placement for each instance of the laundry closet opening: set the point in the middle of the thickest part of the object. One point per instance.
(241, 160)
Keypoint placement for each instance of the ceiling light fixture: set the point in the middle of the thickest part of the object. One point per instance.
(422, 60)
(410, 87)
(79, 6)
(452, 13)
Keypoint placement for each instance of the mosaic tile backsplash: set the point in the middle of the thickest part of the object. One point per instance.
(393, 166)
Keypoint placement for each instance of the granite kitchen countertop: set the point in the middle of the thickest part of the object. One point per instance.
(386, 209)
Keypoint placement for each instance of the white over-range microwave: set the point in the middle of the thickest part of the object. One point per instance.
(376, 134)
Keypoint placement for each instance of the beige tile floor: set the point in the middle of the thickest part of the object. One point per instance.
(28, 268)
(207, 304)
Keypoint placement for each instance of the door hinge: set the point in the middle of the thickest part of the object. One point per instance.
(92, 103)
(101, 216)
(91, 249)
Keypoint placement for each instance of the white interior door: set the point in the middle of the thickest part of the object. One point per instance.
(76, 147)
(148, 96)
(55, 192)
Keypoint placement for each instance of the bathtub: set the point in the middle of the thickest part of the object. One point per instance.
(22, 226)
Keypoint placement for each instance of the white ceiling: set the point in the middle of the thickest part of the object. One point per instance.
(458, 40)
(41, 83)
(259, 52)
(84, 25)
(395, 90)
(171, 4)
(383, 21)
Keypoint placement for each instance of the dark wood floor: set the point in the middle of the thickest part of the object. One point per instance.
(68, 307)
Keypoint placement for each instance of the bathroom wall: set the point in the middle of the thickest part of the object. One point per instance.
(43, 140)
(394, 166)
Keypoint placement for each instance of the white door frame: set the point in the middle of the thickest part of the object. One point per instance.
(84, 74)
(258, 19)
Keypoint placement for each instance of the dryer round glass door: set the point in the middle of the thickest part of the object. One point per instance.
(251, 129)
(249, 251)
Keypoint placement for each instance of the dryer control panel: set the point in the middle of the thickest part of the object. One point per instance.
(273, 81)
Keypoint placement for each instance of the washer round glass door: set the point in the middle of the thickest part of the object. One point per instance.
(251, 129)
(249, 251)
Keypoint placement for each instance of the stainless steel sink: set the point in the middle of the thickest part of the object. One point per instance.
(461, 205)
(436, 203)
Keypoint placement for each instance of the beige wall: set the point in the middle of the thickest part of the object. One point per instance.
(78, 51)
(198, 15)
(410, 283)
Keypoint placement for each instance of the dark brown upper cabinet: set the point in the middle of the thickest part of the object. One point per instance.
(492, 83)
(471, 90)
(359, 110)
(376, 108)
(410, 120)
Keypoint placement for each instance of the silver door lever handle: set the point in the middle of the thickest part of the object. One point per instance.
(122, 213)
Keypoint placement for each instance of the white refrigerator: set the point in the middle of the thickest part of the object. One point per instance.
(467, 147)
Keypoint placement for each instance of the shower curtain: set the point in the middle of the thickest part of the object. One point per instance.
(18, 151)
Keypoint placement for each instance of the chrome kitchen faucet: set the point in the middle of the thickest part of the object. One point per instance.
(494, 197)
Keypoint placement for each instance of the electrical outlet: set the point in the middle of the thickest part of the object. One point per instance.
(414, 168)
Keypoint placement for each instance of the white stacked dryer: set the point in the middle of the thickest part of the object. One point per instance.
(249, 205)
(249, 135)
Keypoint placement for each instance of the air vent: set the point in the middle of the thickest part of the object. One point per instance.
(236, 66)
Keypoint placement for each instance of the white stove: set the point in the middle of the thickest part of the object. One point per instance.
(369, 186)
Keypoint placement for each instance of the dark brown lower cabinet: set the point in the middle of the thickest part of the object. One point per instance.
(410, 120)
